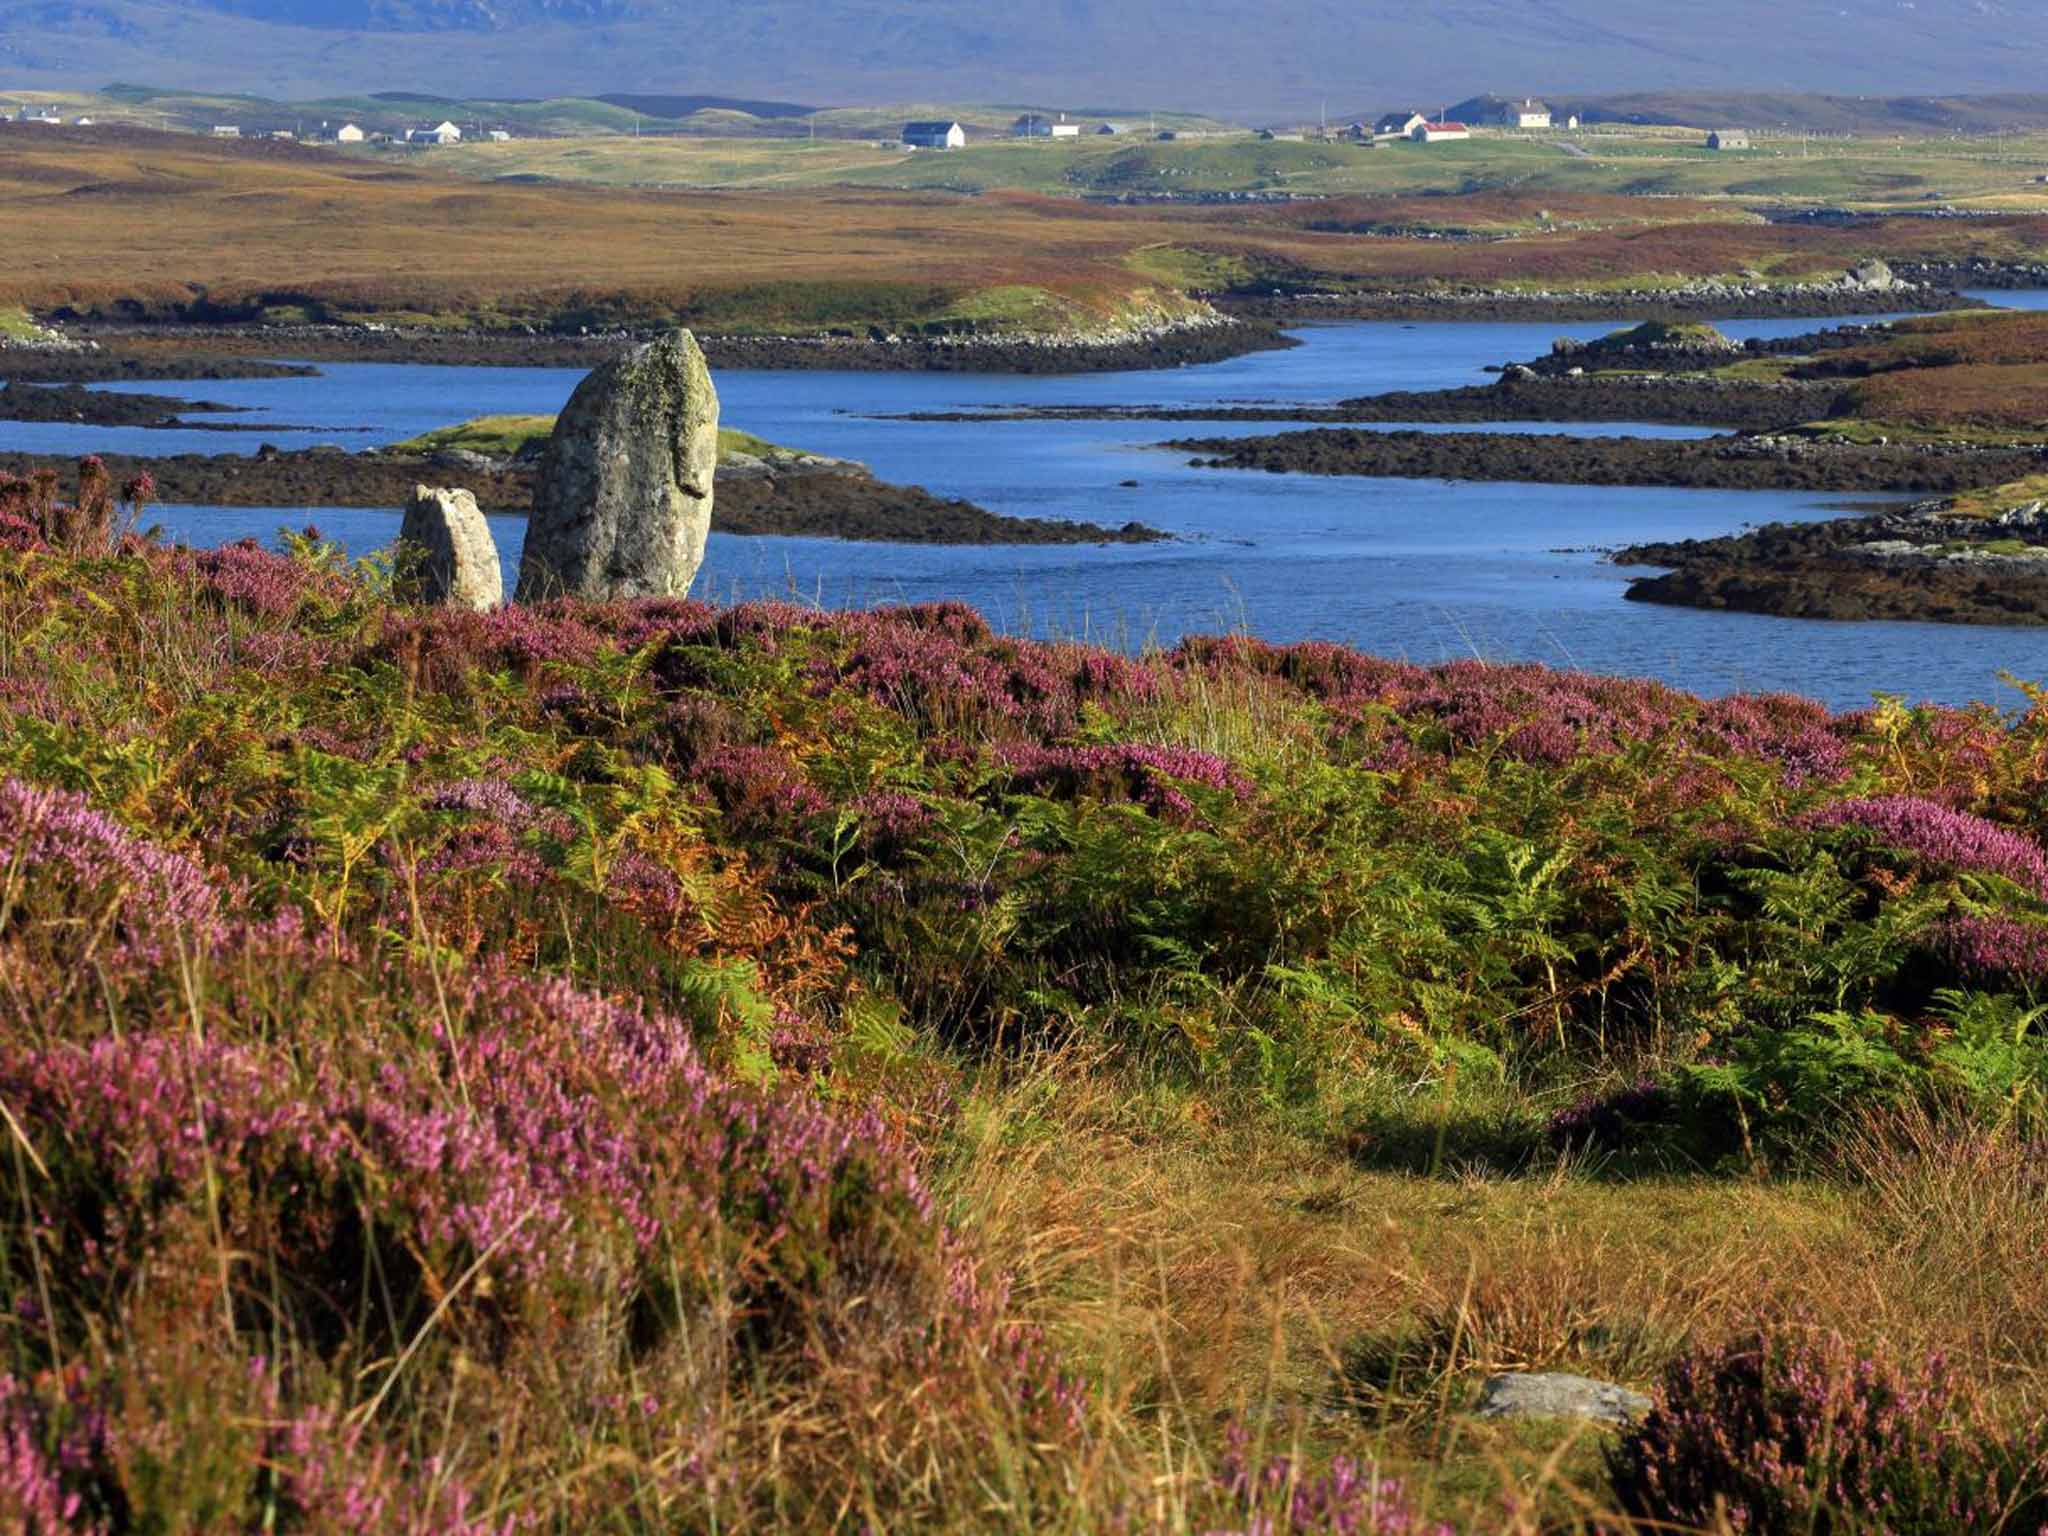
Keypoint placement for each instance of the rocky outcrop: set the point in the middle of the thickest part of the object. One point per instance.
(447, 555)
(622, 504)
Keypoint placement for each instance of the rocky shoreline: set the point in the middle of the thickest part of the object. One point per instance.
(1718, 463)
(845, 502)
(1916, 564)
(1520, 395)
(1727, 301)
(95, 353)
(77, 406)
(105, 365)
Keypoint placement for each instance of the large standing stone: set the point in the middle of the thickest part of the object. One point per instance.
(447, 555)
(623, 501)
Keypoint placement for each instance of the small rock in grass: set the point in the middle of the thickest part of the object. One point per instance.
(1526, 1395)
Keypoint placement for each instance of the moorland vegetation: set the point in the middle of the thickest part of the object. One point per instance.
(338, 239)
(651, 1066)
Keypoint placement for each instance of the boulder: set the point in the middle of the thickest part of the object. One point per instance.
(622, 503)
(447, 555)
(1524, 1395)
(1873, 275)
(464, 459)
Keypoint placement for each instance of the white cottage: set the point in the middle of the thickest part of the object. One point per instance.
(934, 135)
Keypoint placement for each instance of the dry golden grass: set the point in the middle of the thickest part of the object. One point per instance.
(1202, 1264)
(157, 222)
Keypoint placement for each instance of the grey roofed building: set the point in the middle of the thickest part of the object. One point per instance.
(1398, 124)
(1728, 138)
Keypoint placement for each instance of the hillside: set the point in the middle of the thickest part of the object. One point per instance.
(1146, 53)
(1808, 112)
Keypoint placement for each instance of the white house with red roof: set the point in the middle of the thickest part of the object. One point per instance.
(1444, 132)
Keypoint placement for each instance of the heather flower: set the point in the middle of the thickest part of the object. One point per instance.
(55, 847)
(1613, 1120)
(56, 1459)
(1348, 1499)
(1993, 949)
(439, 644)
(761, 788)
(1946, 839)
(1794, 1429)
(258, 581)
(331, 1477)
(1152, 775)
(491, 798)
(550, 1118)
(889, 816)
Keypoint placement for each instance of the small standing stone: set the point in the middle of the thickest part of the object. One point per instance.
(447, 555)
(622, 504)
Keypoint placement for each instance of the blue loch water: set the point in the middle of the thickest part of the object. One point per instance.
(1422, 570)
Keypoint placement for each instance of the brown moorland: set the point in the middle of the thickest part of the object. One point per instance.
(165, 226)
(1972, 370)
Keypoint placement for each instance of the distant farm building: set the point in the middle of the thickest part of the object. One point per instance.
(1034, 126)
(1445, 132)
(934, 136)
(1503, 112)
(1110, 131)
(226, 131)
(1281, 136)
(436, 133)
(500, 136)
(1398, 125)
(1728, 138)
(348, 133)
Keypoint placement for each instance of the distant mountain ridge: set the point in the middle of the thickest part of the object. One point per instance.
(1213, 55)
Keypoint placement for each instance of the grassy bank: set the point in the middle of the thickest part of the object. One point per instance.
(655, 1067)
(508, 437)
